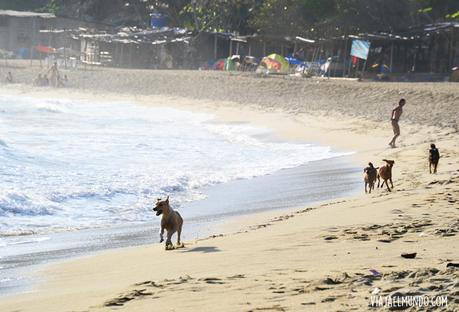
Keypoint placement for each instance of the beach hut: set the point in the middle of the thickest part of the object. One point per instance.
(20, 30)
(275, 63)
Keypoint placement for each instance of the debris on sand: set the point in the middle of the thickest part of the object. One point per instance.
(409, 255)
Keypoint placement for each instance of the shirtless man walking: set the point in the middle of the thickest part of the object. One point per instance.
(396, 113)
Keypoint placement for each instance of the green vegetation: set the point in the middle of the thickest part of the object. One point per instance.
(313, 18)
(22, 5)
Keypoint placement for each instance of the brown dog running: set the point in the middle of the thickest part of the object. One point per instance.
(385, 173)
(171, 221)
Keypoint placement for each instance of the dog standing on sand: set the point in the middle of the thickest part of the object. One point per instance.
(369, 178)
(171, 221)
(434, 158)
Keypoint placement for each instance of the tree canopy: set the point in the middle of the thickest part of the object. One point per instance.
(287, 17)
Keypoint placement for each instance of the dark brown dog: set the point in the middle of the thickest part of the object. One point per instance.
(171, 221)
(434, 157)
(369, 177)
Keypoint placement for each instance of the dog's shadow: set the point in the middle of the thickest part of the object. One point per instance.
(203, 249)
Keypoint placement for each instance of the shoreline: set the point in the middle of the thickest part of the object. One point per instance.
(281, 271)
(33, 252)
(44, 248)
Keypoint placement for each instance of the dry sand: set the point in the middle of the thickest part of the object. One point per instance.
(313, 258)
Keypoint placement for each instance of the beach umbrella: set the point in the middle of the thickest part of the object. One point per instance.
(45, 49)
(275, 63)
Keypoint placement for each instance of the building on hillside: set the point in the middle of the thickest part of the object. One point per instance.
(20, 30)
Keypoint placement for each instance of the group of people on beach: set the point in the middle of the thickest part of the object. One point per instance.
(52, 78)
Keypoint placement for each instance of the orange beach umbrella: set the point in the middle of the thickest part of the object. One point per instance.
(45, 49)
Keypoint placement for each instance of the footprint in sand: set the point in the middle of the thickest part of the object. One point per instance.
(122, 299)
(212, 280)
(272, 308)
(237, 276)
(329, 299)
(330, 237)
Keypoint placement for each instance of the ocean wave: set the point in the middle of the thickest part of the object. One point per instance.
(12, 203)
(104, 194)
(21, 105)
(51, 107)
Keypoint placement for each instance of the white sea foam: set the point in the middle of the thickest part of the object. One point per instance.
(20, 240)
(67, 164)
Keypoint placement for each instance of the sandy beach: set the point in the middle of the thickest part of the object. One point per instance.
(334, 256)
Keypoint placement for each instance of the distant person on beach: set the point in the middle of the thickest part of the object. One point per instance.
(396, 113)
(53, 73)
(434, 157)
(9, 78)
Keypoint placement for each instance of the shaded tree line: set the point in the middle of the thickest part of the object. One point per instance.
(312, 18)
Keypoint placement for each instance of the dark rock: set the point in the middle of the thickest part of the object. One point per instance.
(409, 255)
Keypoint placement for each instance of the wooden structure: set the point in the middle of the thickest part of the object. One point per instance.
(430, 49)
(136, 49)
(20, 31)
(209, 46)
(262, 45)
(437, 48)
